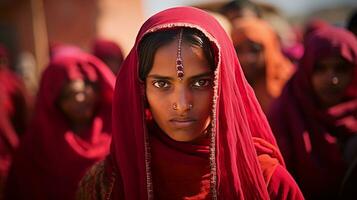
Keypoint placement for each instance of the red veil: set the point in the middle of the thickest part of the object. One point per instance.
(234, 169)
(308, 134)
(52, 159)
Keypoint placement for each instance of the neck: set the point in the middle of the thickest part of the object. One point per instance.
(81, 127)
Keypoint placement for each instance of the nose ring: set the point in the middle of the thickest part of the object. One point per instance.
(334, 80)
(174, 106)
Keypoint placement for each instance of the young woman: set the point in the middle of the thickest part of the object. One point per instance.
(260, 56)
(315, 118)
(70, 131)
(186, 123)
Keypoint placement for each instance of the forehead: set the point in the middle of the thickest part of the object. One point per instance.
(193, 58)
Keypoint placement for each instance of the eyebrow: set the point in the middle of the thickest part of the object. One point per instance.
(156, 76)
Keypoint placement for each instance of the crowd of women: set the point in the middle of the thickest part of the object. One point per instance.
(192, 112)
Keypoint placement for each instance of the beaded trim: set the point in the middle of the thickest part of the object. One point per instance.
(213, 163)
(179, 62)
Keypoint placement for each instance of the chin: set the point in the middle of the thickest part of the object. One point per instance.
(183, 137)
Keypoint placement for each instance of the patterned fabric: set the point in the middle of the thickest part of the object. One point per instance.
(97, 183)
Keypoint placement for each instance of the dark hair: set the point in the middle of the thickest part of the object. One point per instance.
(352, 21)
(153, 41)
(240, 5)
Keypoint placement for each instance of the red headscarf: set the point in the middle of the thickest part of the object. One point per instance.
(308, 134)
(52, 158)
(234, 171)
(312, 26)
(106, 48)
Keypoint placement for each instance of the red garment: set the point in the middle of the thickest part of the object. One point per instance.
(17, 102)
(233, 168)
(312, 26)
(52, 158)
(310, 137)
(8, 141)
(15, 106)
(108, 50)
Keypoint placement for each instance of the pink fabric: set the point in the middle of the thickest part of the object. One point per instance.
(59, 49)
(309, 135)
(239, 116)
(52, 158)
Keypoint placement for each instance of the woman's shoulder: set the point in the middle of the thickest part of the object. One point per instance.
(97, 183)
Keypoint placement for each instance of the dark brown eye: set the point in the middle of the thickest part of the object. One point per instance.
(161, 84)
(202, 83)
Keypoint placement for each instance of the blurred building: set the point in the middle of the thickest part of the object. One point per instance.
(31, 25)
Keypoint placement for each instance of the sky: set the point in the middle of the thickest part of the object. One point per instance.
(290, 7)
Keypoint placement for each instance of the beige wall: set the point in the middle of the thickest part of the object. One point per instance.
(120, 21)
(76, 22)
(71, 21)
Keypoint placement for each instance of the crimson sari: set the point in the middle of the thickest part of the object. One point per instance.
(309, 136)
(145, 164)
(52, 158)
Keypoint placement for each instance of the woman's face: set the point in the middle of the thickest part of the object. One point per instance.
(78, 101)
(181, 108)
(251, 58)
(330, 78)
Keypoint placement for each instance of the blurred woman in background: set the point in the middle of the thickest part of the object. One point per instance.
(70, 130)
(315, 120)
(260, 56)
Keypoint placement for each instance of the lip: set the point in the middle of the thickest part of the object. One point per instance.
(182, 122)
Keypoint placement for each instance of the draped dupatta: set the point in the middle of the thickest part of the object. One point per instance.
(308, 134)
(237, 117)
(52, 158)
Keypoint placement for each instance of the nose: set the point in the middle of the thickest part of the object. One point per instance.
(182, 101)
(80, 97)
(332, 78)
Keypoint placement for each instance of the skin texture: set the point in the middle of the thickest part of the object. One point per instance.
(330, 79)
(78, 102)
(164, 90)
(251, 57)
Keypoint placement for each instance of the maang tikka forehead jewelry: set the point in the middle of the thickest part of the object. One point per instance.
(179, 61)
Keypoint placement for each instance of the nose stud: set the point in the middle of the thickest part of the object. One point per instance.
(190, 106)
(334, 80)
